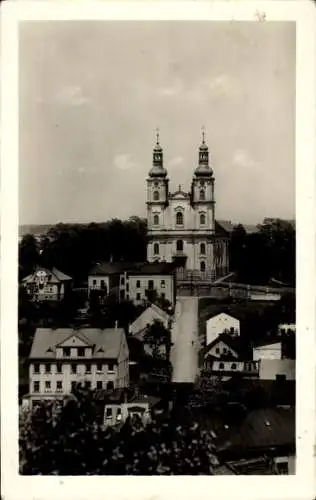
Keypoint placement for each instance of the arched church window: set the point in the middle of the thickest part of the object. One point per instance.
(202, 248)
(179, 219)
(202, 219)
(156, 249)
(156, 220)
(202, 194)
(202, 266)
(179, 246)
(156, 195)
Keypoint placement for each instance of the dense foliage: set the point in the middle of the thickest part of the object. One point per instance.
(268, 253)
(72, 441)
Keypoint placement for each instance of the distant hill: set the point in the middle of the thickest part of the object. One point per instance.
(34, 229)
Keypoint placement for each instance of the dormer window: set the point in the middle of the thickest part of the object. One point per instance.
(202, 194)
(179, 219)
(156, 220)
(156, 195)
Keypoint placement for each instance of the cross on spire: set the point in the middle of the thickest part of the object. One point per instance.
(203, 135)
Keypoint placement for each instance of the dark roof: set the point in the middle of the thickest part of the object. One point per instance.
(275, 393)
(54, 275)
(154, 268)
(262, 428)
(224, 226)
(237, 344)
(106, 268)
(105, 343)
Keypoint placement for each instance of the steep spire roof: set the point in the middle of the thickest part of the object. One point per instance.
(157, 170)
(203, 168)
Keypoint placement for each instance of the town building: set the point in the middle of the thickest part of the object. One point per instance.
(147, 317)
(221, 323)
(61, 358)
(272, 350)
(139, 282)
(47, 285)
(182, 225)
(277, 369)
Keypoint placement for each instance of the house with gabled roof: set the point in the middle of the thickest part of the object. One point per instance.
(220, 323)
(47, 284)
(61, 358)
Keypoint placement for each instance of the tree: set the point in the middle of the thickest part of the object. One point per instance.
(157, 336)
(28, 255)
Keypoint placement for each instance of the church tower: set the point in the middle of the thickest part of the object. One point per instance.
(157, 199)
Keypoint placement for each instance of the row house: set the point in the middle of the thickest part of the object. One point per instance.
(62, 358)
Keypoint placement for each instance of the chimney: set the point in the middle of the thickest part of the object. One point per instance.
(116, 323)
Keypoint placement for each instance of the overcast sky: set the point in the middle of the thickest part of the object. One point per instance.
(93, 93)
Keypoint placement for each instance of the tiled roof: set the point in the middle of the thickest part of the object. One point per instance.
(47, 339)
(54, 276)
(154, 268)
(261, 428)
(106, 268)
(235, 343)
(225, 224)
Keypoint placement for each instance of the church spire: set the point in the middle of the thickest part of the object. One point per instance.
(157, 169)
(203, 166)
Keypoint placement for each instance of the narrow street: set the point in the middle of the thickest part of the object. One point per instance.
(184, 353)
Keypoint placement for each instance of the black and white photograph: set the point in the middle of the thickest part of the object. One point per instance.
(156, 261)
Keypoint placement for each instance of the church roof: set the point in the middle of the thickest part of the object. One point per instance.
(157, 171)
(203, 171)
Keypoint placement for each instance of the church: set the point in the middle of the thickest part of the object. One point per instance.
(181, 225)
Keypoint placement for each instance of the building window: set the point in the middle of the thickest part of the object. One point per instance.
(163, 296)
(47, 384)
(122, 294)
(221, 366)
(108, 413)
(36, 368)
(99, 384)
(202, 194)
(179, 245)
(137, 296)
(59, 368)
(81, 351)
(217, 350)
(156, 249)
(156, 195)
(47, 368)
(127, 287)
(179, 219)
(59, 385)
(36, 386)
(66, 351)
(88, 368)
(156, 220)
(88, 384)
(151, 284)
(110, 386)
(202, 219)
(138, 284)
(110, 367)
(202, 265)
(94, 282)
(283, 468)
(280, 378)
(73, 385)
(99, 367)
(122, 280)
(234, 366)
(73, 368)
(202, 248)
(163, 284)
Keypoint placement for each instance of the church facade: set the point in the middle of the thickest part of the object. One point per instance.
(182, 225)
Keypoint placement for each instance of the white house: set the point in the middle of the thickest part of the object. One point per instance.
(116, 412)
(61, 358)
(46, 284)
(216, 325)
(268, 351)
(147, 317)
(286, 328)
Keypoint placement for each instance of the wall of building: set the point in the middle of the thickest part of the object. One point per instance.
(270, 368)
(95, 282)
(220, 349)
(118, 413)
(218, 324)
(163, 284)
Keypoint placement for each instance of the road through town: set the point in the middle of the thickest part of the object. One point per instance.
(184, 353)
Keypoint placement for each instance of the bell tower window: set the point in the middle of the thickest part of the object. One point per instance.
(202, 248)
(156, 195)
(202, 219)
(202, 194)
(179, 219)
(156, 220)
(202, 266)
(156, 249)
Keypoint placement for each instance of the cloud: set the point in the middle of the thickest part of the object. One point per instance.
(243, 159)
(72, 96)
(177, 161)
(172, 90)
(123, 162)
